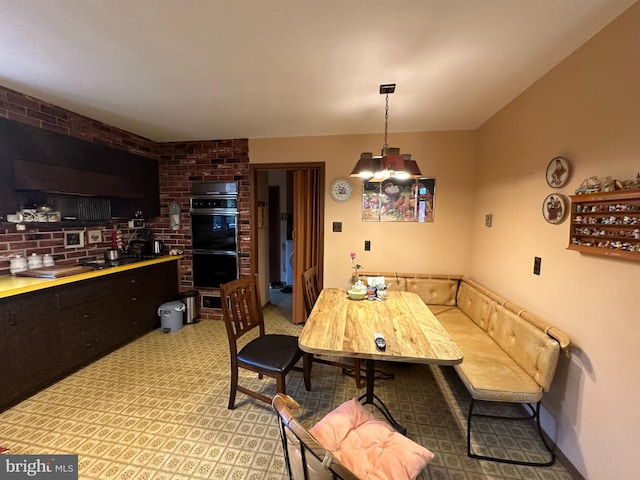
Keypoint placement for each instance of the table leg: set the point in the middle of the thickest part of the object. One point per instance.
(370, 398)
(380, 375)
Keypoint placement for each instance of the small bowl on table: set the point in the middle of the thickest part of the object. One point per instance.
(357, 294)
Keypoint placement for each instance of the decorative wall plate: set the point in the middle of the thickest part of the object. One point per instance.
(558, 172)
(554, 208)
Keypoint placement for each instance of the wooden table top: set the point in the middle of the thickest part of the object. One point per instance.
(344, 327)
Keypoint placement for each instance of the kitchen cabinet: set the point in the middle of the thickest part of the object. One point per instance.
(4, 358)
(50, 333)
(30, 338)
(38, 165)
(80, 321)
(140, 294)
(606, 223)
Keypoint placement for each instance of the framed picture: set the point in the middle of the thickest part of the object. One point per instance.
(395, 200)
(554, 208)
(94, 236)
(558, 172)
(74, 239)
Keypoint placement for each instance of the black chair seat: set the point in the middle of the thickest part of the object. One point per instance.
(271, 353)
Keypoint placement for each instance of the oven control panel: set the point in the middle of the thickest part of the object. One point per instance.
(213, 203)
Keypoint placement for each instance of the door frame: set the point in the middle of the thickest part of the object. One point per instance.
(297, 301)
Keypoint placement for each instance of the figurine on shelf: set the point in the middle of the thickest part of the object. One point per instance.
(608, 184)
(632, 184)
(589, 185)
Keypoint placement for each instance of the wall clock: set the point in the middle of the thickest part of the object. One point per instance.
(341, 190)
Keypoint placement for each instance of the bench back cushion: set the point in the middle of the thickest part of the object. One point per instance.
(434, 291)
(531, 348)
(475, 304)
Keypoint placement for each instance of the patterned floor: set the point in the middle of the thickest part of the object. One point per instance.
(156, 409)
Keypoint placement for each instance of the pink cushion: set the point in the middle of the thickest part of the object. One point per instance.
(369, 447)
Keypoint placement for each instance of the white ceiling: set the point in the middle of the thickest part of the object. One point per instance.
(173, 70)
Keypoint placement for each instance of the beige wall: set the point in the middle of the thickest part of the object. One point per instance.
(588, 110)
(439, 247)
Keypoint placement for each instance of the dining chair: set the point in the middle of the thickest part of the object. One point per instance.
(273, 355)
(310, 289)
(348, 443)
(310, 292)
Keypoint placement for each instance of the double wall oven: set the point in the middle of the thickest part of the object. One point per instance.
(214, 233)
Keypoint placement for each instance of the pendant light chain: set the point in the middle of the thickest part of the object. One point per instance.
(386, 121)
(391, 164)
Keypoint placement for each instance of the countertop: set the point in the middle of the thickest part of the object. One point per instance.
(11, 285)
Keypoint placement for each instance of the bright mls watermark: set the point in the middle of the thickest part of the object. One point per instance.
(51, 467)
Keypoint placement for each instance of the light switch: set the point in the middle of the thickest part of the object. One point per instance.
(537, 263)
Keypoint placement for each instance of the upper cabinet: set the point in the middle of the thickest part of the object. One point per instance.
(606, 223)
(37, 165)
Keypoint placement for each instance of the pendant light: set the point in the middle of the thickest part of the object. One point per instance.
(390, 164)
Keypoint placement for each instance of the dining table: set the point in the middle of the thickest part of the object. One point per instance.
(342, 327)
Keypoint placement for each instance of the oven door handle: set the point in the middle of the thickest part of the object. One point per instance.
(213, 211)
(216, 252)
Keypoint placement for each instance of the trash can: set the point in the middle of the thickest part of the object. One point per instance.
(171, 316)
(191, 301)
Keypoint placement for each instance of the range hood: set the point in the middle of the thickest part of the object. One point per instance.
(46, 178)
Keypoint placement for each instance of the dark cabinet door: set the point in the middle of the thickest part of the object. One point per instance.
(142, 291)
(4, 357)
(31, 333)
(83, 311)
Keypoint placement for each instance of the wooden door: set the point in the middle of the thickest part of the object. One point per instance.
(307, 233)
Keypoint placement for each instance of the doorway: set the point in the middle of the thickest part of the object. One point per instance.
(275, 257)
(299, 228)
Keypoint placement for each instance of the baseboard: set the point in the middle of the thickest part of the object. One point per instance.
(562, 458)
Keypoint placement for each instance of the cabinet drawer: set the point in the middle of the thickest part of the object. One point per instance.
(84, 293)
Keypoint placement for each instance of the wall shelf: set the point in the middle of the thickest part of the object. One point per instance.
(606, 223)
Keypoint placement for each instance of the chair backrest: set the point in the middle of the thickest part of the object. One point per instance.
(310, 290)
(241, 308)
(305, 459)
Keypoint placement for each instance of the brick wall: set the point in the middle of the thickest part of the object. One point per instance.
(214, 160)
(180, 163)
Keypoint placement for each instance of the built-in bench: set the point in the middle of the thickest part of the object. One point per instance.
(509, 354)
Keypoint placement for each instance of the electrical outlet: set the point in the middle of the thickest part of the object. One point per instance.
(367, 245)
(537, 262)
(337, 226)
(488, 220)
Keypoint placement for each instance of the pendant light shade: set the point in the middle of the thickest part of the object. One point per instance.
(390, 164)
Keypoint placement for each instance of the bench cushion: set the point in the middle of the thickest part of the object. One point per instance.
(487, 371)
(475, 304)
(434, 291)
(531, 348)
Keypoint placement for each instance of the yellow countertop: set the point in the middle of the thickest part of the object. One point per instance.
(10, 285)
